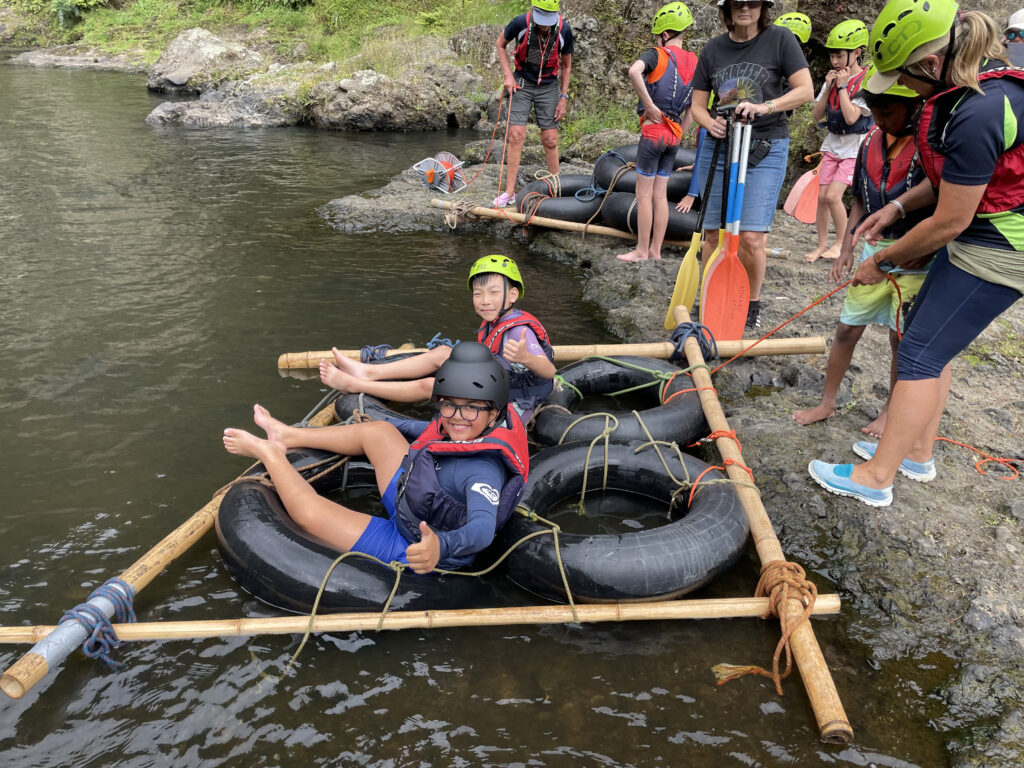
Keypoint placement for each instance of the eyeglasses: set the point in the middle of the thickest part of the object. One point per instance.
(737, 4)
(1013, 35)
(469, 412)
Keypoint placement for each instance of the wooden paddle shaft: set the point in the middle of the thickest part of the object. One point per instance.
(542, 221)
(33, 666)
(726, 608)
(821, 690)
(564, 353)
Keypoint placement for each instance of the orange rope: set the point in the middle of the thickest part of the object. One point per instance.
(1006, 462)
(504, 145)
(491, 143)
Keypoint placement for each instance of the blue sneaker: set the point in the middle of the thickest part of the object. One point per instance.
(922, 472)
(835, 478)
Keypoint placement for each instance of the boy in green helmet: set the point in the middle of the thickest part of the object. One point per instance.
(516, 338)
(841, 109)
(661, 78)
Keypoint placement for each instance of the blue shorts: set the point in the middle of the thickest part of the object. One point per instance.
(953, 307)
(761, 192)
(656, 155)
(382, 539)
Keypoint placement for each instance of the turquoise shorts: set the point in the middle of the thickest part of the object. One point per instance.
(881, 303)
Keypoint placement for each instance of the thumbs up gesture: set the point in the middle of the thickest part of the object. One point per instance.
(424, 554)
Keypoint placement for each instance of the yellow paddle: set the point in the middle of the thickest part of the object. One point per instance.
(688, 276)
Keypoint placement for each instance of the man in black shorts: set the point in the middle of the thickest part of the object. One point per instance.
(540, 83)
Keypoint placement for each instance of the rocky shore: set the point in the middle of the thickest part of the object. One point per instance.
(939, 572)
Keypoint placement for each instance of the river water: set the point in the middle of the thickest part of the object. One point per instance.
(149, 279)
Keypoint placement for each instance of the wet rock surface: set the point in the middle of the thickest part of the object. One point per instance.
(197, 60)
(77, 57)
(938, 572)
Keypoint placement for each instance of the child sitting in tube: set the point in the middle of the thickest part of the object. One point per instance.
(516, 338)
(446, 494)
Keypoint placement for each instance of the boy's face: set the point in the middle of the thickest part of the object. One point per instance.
(840, 59)
(892, 117)
(489, 294)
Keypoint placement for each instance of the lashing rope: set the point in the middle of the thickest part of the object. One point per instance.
(371, 352)
(438, 340)
(780, 582)
(102, 640)
(693, 330)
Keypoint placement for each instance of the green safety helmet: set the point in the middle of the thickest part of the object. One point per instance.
(674, 17)
(471, 372)
(545, 5)
(847, 35)
(903, 26)
(893, 90)
(797, 23)
(501, 265)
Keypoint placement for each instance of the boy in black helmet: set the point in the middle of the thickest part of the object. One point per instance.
(460, 479)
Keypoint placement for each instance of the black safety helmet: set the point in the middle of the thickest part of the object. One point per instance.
(472, 372)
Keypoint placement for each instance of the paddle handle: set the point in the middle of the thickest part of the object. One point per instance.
(706, 191)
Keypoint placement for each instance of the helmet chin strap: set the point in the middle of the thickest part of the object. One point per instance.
(939, 83)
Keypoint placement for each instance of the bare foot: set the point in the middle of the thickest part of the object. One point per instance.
(632, 256)
(655, 256)
(275, 429)
(833, 252)
(814, 255)
(876, 427)
(242, 443)
(812, 415)
(348, 365)
(334, 378)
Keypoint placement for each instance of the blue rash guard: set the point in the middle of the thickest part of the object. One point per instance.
(477, 478)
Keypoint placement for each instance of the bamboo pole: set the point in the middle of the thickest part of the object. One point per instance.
(564, 353)
(542, 221)
(722, 608)
(833, 724)
(57, 646)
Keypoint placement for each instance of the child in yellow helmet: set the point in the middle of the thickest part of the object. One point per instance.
(516, 338)
(841, 109)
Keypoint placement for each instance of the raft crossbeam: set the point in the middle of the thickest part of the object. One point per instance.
(564, 353)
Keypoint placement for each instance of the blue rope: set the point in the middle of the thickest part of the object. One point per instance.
(438, 340)
(102, 639)
(370, 352)
(595, 189)
(684, 331)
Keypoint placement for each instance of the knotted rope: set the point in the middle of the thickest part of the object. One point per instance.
(102, 640)
(693, 330)
(370, 352)
(780, 582)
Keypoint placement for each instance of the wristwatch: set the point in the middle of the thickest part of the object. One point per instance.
(770, 105)
(564, 96)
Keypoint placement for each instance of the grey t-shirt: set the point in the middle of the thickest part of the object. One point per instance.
(767, 61)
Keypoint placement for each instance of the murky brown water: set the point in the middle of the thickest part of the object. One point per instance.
(149, 280)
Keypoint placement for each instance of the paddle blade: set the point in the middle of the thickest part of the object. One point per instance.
(798, 189)
(687, 279)
(709, 267)
(723, 308)
(807, 206)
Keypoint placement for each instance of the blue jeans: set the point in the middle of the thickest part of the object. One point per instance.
(761, 193)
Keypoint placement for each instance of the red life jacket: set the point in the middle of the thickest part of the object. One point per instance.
(1005, 192)
(525, 388)
(834, 112)
(420, 495)
(669, 82)
(548, 59)
(882, 179)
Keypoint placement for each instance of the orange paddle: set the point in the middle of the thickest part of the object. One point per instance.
(726, 286)
(802, 200)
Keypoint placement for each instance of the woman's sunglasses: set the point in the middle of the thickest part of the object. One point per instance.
(1014, 35)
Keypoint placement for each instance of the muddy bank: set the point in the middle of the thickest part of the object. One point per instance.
(938, 572)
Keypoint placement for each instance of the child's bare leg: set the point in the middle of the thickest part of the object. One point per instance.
(877, 427)
(644, 218)
(839, 219)
(338, 525)
(839, 359)
(396, 391)
(415, 367)
(659, 206)
(379, 441)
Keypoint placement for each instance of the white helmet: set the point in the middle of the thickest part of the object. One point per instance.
(1016, 21)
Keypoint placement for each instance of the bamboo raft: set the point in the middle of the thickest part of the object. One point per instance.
(54, 644)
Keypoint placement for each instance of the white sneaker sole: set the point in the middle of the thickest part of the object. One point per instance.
(848, 494)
